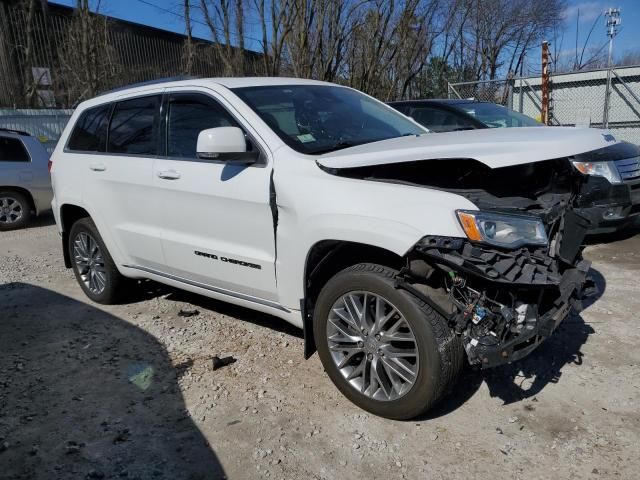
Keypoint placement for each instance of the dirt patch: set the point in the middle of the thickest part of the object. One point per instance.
(128, 391)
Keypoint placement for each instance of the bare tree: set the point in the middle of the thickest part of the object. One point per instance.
(276, 24)
(189, 49)
(417, 34)
(88, 63)
(500, 32)
(319, 30)
(383, 47)
(223, 17)
(28, 51)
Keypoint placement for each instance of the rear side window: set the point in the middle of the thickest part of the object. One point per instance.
(90, 131)
(12, 150)
(189, 114)
(134, 126)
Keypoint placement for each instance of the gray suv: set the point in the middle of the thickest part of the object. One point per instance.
(25, 185)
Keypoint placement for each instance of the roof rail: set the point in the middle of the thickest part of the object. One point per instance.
(149, 82)
(12, 130)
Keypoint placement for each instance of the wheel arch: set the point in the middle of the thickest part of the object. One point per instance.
(23, 191)
(69, 214)
(325, 259)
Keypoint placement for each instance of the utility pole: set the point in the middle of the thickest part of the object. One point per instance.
(544, 110)
(613, 21)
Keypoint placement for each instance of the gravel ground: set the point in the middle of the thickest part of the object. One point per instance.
(128, 391)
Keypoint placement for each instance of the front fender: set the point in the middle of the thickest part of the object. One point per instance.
(294, 245)
(392, 235)
(314, 205)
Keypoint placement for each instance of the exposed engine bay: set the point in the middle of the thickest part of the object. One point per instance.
(502, 301)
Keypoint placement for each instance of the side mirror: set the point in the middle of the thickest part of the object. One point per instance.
(225, 144)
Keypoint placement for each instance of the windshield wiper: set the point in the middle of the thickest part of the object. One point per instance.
(349, 143)
(336, 146)
(459, 129)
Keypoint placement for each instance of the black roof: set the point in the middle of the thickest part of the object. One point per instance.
(17, 132)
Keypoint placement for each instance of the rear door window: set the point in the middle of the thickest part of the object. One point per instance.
(189, 114)
(12, 150)
(134, 126)
(90, 131)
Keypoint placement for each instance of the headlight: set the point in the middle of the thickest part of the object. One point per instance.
(502, 230)
(607, 170)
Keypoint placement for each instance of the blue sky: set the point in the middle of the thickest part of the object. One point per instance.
(167, 14)
(628, 38)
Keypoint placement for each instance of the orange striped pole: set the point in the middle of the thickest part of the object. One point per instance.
(544, 114)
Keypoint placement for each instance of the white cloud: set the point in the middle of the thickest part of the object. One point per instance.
(589, 11)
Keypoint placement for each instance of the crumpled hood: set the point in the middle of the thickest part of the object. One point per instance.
(495, 147)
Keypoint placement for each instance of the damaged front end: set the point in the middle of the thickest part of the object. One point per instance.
(516, 276)
(502, 303)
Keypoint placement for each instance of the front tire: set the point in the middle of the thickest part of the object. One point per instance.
(385, 349)
(93, 266)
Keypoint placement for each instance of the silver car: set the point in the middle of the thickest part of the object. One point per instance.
(25, 185)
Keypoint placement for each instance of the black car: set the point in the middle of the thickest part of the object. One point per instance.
(452, 115)
(610, 195)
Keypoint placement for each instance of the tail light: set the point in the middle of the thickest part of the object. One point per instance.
(49, 165)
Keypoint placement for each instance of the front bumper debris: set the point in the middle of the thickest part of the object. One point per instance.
(539, 327)
(502, 303)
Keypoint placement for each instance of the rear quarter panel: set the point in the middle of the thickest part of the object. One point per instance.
(40, 184)
(69, 180)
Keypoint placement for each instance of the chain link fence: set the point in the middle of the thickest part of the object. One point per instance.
(577, 99)
(45, 124)
(495, 91)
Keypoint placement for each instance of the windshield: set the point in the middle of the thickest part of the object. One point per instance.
(315, 119)
(497, 116)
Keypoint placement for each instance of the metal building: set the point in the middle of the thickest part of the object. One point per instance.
(578, 99)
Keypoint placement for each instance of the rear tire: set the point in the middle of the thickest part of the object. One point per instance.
(414, 338)
(15, 210)
(92, 264)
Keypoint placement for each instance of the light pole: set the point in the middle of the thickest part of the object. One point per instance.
(613, 21)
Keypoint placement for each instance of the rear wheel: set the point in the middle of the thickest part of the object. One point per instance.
(93, 266)
(384, 349)
(15, 210)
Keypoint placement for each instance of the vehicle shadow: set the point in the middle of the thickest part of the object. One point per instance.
(526, 378)
(148, 289)
(512, 383)
(45, 220)
(84, 394)
(235, 311)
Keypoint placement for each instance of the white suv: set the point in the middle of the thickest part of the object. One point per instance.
(398, 252)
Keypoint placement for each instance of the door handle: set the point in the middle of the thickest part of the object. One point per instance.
(169, 175)
(97, 167)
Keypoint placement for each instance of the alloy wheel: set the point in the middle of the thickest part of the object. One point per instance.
(10, 210)
(90, 263)
(372, 345)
